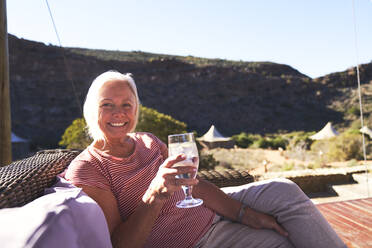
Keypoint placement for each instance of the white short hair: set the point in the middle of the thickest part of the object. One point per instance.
(91, 105)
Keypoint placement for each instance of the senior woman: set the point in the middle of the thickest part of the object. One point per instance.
(132, 179)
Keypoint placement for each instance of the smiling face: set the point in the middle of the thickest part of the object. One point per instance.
(116, 110)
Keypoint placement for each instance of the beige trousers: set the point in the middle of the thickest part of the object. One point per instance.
(284, 200)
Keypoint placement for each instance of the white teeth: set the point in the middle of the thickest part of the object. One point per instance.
(117, 124)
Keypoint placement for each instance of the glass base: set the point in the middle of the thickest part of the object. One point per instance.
(189, 203)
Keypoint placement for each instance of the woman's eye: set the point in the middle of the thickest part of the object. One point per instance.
(127, 105)
(107, 105)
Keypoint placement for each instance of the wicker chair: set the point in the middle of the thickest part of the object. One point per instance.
(25, 180)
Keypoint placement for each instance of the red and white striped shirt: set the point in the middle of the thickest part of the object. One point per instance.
(128, 179)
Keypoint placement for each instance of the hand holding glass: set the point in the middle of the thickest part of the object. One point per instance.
(185, 143)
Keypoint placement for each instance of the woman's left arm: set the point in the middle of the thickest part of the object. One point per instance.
(215, 199)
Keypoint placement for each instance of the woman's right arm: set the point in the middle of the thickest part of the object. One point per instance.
(133, 232)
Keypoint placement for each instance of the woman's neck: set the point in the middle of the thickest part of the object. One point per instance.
(121, 148)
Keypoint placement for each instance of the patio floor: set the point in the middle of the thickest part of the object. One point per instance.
(351, 219)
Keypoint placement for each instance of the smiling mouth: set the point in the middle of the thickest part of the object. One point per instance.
(118, 124)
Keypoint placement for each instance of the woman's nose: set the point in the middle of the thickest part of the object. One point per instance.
(118, 111)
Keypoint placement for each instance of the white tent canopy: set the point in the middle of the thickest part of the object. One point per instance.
(20, 147)
(366, 130)
(16, 139)
(213, 136)
(327, 132)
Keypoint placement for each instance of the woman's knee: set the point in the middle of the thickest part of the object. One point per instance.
(284, 190)
(286, 186)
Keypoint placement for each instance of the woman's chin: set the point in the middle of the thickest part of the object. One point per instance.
(117, 135)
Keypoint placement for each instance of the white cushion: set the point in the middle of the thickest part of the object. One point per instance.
(66, 217)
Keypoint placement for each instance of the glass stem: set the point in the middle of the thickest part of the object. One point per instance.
(188, 192)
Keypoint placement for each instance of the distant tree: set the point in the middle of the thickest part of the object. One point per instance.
(207, 162)
(75, 136)
(244, 140)
(300, 139)
(271, 142)
(159, 124)
(344, 147)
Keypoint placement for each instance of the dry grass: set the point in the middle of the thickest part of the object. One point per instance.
(242, 159)
(255, 160)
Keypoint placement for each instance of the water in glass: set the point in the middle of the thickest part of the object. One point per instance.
(185, 143)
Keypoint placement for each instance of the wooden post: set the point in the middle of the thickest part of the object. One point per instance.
(5, 123)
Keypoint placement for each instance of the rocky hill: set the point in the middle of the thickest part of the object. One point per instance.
(48, 84)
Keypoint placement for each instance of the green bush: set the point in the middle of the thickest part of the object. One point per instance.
(271, 142)
(355, 110)
(245, 140)
(150, 120)
(288, 166)
(75, 136)
(279, 141)
(207, 162)
(262, 142)
(299, 139)
(159, 124)
(344, 147)
(314, 165)
(353, 131)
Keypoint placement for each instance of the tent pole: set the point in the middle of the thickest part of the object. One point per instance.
(5, 122)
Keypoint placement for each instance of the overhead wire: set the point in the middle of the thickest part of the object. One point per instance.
(360, 93)
(65, 61)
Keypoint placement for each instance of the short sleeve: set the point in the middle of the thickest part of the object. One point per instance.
(163, 147)
(87, 172)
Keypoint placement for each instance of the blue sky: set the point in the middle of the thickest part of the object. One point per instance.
(315, 37)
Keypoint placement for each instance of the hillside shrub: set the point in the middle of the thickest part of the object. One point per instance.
(150, 120)
(271, 142)
(159, 124)
(314, 165)
(344, 147)
(245, 140)
(207, 162)
(288, 166)
(299, 140)
(75, 135)
(279, 141)
(355, 125)
(354, 111)
(262, 142)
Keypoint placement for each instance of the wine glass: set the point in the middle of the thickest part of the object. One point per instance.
(185, 143)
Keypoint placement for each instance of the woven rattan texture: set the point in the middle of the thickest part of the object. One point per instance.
(226, 178)
(25, 180)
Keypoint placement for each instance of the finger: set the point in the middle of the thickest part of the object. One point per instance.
(165, 193)
(186, 162)
(174, 171)
(177, 182)
(186, 182)
(280, 229)
(170, 161)
(186, 170)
